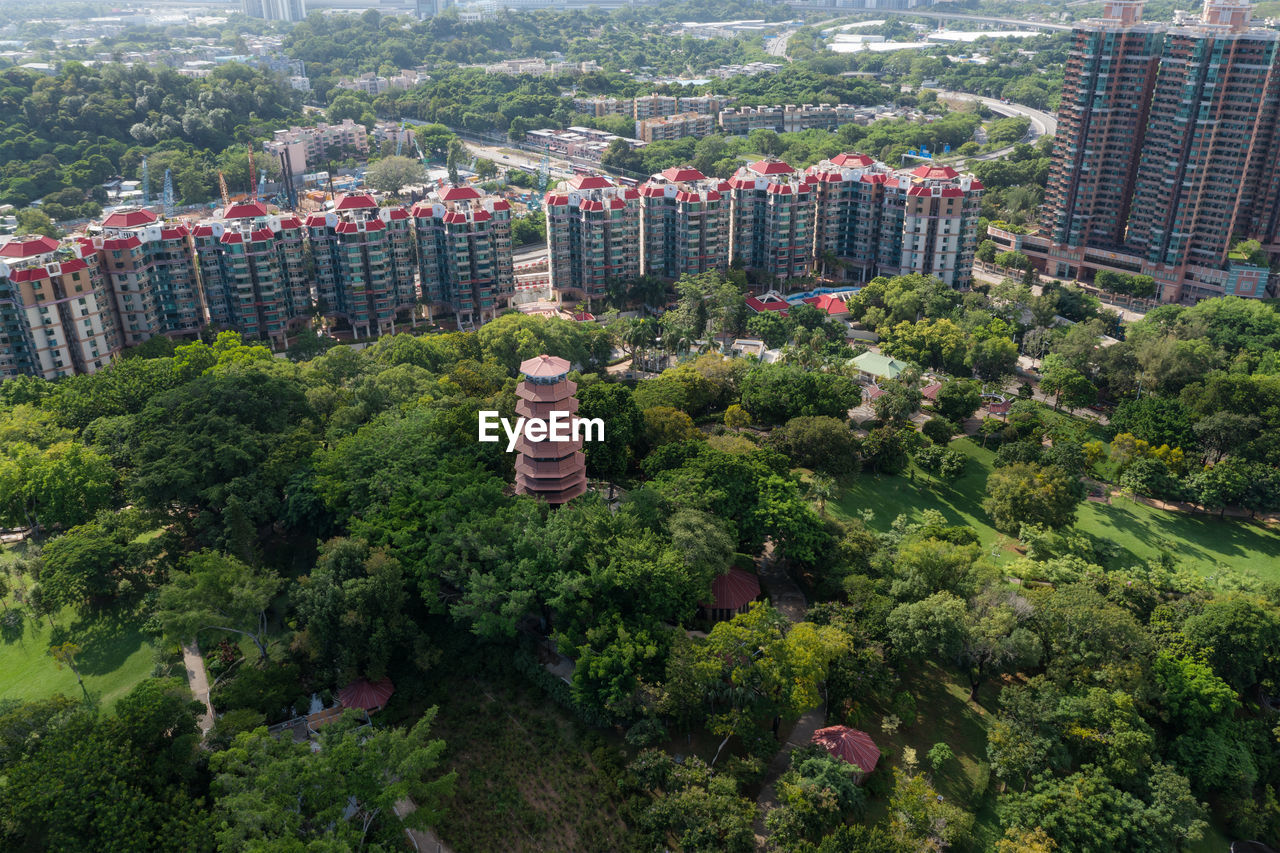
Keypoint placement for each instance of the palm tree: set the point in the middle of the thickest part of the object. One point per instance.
(822, 488)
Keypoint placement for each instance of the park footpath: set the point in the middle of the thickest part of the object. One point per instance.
(787, 597)
(198, 679)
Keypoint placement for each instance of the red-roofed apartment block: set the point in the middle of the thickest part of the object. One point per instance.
(253, 266)
(464, 253)
(684, 224)
(593, 235)
(56, 313)
(365, 270)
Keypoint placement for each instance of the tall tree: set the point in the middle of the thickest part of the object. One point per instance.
(271, 791)
(217, 591)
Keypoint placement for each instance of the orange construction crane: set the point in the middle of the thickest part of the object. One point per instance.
(222, 186)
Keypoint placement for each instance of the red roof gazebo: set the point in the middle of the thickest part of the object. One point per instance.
(365, 695)
(732, 593)
(851, 745)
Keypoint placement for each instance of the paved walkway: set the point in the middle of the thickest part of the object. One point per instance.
(198, 679)
(424, 841)
(788, 598)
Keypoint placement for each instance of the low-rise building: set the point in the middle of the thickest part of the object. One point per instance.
(675, 127)
(311, 145)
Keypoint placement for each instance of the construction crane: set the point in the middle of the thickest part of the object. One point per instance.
(222, 188)
(168, 194)
(253, 184)
(544, 173)
(146, 184)
(400, 138)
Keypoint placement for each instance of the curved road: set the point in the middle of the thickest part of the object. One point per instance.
(1042, 123)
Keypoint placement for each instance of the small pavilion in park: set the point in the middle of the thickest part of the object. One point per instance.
(555, 471)
(731, 593)
(361, 695)
(850, 745)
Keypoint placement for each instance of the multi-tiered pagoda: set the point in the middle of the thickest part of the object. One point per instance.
(555, 471)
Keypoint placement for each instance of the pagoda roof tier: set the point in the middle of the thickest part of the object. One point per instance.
(558, 469)
(547, 449)
(559, 496)
(545, 408)
(547, 393)
(544, 367)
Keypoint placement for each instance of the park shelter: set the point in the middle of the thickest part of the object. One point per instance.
(873, 365)
(850, 745)
(732, 593)
(366, 695)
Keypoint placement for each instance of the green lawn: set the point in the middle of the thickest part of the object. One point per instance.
(1201, 543)
(115, 656)
(945, 715)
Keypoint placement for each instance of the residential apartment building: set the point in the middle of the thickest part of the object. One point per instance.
(398, 134)
(939, 215)
(364, 263)
(149, 266)
(849, 216)
(464, 253)
(1166, 154)
(706, 104)
(874, 220)
(56, 316)
(593, 235)
(254, 271)
(1106, 97)
(309, 146)
(675, 127)
(653, 106)
(375, 84)
(788, 118)
(599, 107)
(275, 10)
(772, 219)
(684, 223)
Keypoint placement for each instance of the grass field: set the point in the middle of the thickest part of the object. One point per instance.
(1201, 543)
(945, 715)
(115, 656)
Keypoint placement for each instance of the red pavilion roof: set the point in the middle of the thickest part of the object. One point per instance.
(851, 745)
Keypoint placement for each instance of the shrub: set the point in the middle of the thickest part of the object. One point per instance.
(938, 430)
